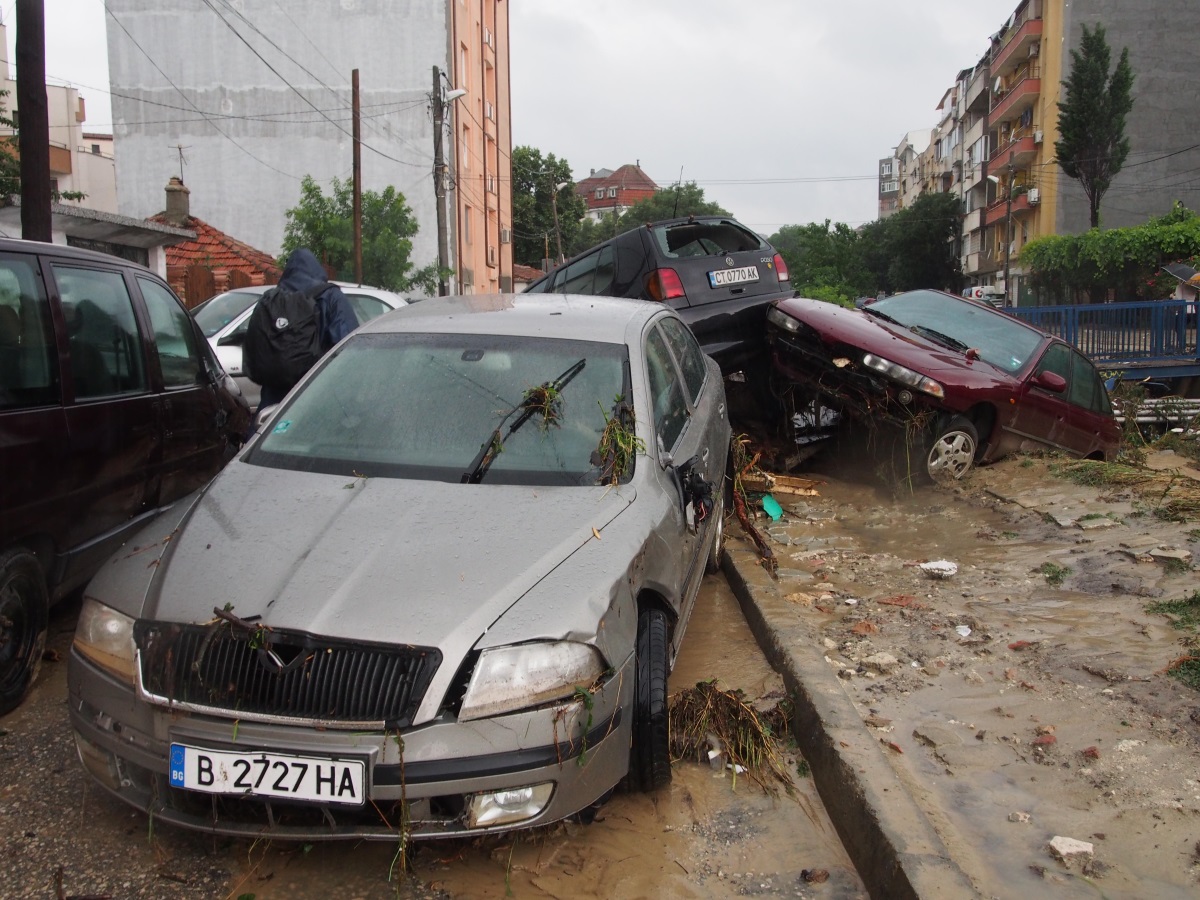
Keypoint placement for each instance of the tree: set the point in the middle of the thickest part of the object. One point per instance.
(678, 200)
(10, 163)
(1092, 146)
(325, 225)
(534, 180)
(824, 259)
(921, 244)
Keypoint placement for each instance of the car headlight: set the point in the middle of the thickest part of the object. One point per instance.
(778, 317)
(904, 376)
(525, 675)
(105, 637)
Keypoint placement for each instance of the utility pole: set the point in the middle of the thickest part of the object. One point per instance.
(439, 181)
(358, 268)
(1008, 233)
(557, 231)
(33, 141)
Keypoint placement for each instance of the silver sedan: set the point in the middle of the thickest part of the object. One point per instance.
(440, 593)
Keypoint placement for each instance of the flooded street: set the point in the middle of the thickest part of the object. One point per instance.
(705, 836)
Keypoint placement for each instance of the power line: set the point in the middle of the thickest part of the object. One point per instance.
(211, 124)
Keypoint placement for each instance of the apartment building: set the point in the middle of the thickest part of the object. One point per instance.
(889, 186)
(997, 125)
(79, 162)
(257, 96)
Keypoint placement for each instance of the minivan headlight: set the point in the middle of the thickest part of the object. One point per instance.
(521, 676)
(104, 637)
(904, 376)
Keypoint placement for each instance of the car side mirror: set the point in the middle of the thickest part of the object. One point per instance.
(1051, 381)
(232, 340)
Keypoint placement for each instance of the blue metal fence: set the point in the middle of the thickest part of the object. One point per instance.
(1155, 338)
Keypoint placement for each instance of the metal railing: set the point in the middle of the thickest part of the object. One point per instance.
(1144, 334)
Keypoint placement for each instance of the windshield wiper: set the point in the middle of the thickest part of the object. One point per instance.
(528, 406)
(871, 311)
(943, 339)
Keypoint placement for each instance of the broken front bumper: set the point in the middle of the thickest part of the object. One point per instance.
(431, 780)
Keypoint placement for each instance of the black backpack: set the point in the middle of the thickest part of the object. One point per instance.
(283, 337)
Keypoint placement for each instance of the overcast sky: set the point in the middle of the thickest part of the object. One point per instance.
(778, 109)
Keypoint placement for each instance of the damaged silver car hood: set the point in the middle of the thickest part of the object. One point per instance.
(381, 560)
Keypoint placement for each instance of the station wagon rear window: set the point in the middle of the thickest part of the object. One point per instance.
(685, 240)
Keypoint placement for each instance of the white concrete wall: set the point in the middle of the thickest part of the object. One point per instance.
(254, 138)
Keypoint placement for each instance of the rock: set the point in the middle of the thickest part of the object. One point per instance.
(883, 663)
(1090, 753)
(1093, 524)
(1069, 849)
(877, 721)
(1021, 818)
(974, 677)
(1171, 553)
(1127, 745)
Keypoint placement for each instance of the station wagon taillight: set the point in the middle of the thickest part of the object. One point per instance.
(781, 268)
(664, 284)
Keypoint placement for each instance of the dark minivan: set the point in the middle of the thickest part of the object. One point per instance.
(111, 407)
(715, 272)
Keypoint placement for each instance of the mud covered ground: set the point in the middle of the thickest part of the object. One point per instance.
(1017, 708)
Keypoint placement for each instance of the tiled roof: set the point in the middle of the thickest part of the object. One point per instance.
(525, 273)
(629, 177)
(217, 250)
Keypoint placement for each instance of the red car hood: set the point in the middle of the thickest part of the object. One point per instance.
(895, 343)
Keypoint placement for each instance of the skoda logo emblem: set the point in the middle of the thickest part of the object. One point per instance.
(729, 260)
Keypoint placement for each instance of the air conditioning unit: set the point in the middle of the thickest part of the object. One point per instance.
(506, 235)
(1037, 136)
(1034, 49)
(1035, 196)
(468, 277)
(491, 256)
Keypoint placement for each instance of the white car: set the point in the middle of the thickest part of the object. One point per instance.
(223, 320)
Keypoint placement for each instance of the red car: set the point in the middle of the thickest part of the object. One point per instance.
(973, 382)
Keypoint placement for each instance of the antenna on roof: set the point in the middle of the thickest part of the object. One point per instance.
(678, 190)
(182, 159)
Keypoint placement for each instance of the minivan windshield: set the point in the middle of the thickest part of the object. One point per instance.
(423, 405)
(214, 314)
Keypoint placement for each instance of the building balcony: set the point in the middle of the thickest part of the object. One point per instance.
(1020, 97)
(972, 221)
(1018, 151)
(998, 210)
(1017, 48)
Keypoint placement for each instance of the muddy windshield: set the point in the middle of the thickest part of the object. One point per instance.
(1000, 339)
(422, 405)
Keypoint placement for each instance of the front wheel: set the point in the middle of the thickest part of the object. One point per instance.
(951, 453)
(23, 613)
(650, 758)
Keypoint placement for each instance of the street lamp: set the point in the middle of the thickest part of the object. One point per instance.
(554, 208)
(439, 100)
(1007, 227)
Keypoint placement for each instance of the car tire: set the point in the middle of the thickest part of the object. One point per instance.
(950, 454)
(650, 758)
(716, 553)
(24, 609)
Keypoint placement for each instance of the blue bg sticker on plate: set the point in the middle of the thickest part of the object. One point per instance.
(283, 426)
(177, 758)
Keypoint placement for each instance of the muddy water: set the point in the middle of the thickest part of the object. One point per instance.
(703, 837)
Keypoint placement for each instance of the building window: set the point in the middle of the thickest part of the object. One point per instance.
(464, 68)
(468, 214)
(599, 193)
(889, 187)
(612, 192)
(885, 169)
(96, 149)
(464, 156)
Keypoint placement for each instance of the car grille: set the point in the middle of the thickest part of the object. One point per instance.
(270, 673)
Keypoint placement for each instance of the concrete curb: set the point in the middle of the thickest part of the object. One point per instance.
(891, 842)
